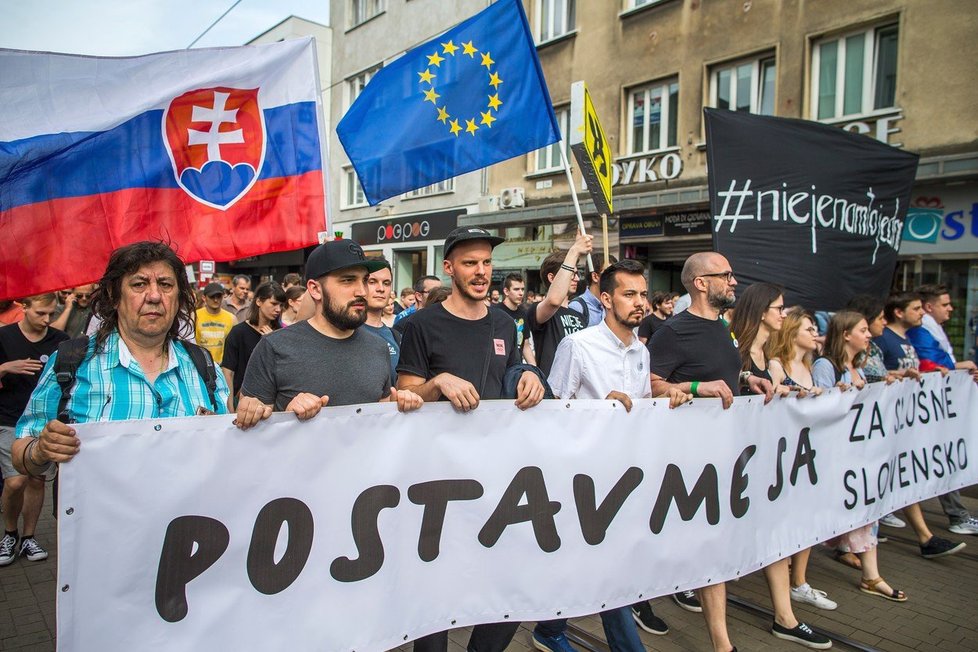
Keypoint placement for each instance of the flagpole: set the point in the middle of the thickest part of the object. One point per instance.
(577, 205)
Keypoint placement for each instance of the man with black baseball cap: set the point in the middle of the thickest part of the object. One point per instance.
(459, 350)
(328, 358)
(213, 322)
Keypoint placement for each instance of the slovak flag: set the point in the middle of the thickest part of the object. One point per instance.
(216, 151)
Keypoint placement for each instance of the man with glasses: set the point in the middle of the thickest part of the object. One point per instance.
(77, 313)
(551, 320)
(695, 352)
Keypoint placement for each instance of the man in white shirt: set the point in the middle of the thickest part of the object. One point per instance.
(608, 361)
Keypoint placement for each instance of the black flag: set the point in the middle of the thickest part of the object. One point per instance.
(812, 207)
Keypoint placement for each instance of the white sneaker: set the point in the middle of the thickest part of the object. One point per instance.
(890, 520)
(8, 549)
(808, 595)
(967, 526)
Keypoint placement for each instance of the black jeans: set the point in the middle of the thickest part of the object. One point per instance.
(491, 637)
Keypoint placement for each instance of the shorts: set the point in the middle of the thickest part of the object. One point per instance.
(7, 437)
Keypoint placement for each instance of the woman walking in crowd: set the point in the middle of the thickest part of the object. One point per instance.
(846, 343)
(263, 318)
(760, 315)
(290, 309)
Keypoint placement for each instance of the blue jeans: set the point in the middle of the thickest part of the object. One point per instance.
(620, 630)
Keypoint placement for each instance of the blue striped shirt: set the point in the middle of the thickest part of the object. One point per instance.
(111, 386)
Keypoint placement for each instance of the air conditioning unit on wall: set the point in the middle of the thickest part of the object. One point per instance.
(512, 198)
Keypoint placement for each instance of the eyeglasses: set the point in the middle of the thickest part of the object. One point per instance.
(726, 276)
(83, 295)
(780, 308)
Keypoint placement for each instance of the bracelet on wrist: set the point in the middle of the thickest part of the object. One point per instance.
(694, 388)
(565, 266)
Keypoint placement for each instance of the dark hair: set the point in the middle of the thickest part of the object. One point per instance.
(748, 314)
(551, 265)
(512, 277)
(293, 293)
(898, 301)
(437, 295)
(932, 292)
(609, 277)
(292, 279)
(127, 260)
(419, 283)
(265, 291)
(657, 298)
(866, 305)
(835, 339)
(597, 258)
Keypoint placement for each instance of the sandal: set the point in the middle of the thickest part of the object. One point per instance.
(849, 559)
(872, 587)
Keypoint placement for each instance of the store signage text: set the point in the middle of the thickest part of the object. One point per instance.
(645, 170)
(927, 221)
(431, 226)
(879, 128)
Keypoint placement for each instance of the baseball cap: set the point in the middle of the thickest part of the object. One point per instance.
(463, 234)
(212, 289)
(339, 254)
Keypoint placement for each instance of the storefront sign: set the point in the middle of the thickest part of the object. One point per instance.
(648, 169)
(669, 224)
(941, 221)
(412, 228)
(880, 127)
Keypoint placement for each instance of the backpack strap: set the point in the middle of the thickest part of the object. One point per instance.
(584, 309)
(204, 364)
(71, 354)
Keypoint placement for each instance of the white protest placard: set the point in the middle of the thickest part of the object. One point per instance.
(364, 528)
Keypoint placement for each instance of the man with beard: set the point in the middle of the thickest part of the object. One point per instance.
(328, 358)
(550, 320)
(695, 353)
(458, 350)
(607, 361)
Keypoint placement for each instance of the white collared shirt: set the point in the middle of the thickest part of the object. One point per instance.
(593, 363)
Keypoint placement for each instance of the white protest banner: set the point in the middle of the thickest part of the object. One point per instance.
(364, 528)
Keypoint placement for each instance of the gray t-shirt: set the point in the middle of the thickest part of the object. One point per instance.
(301, 359)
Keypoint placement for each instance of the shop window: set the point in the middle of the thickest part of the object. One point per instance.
(555, 18)
(363, 10)
(547, 159)
(356, 84)
(854, 74)
(352, 195)
(652, 112)
(747, 85)
(448, 185)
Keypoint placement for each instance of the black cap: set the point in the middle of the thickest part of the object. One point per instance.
(462, 234)
(213, 288)
(339, 254)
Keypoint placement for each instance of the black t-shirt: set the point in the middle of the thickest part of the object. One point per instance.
(687, 348)
(519, 318)
(648, 326)
(436, 341)
(547, 336)
(17, 388)
(238, 347)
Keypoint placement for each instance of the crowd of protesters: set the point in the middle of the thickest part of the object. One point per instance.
(291, 347)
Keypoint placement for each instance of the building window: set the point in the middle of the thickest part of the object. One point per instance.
(356, 84)
(554, 19)
(352, 190)
(652, 114)
(364, 10)
(854, 74)
(635, 4)
(547, 159)
(448, 185)
(744, 86)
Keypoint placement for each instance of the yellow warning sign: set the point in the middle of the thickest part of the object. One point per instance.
(591, 148)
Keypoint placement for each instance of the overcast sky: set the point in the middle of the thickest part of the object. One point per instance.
(125, 27)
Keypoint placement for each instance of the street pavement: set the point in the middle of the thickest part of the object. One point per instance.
(941, 613)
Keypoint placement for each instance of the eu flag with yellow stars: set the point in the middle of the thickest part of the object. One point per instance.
(472, 97)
